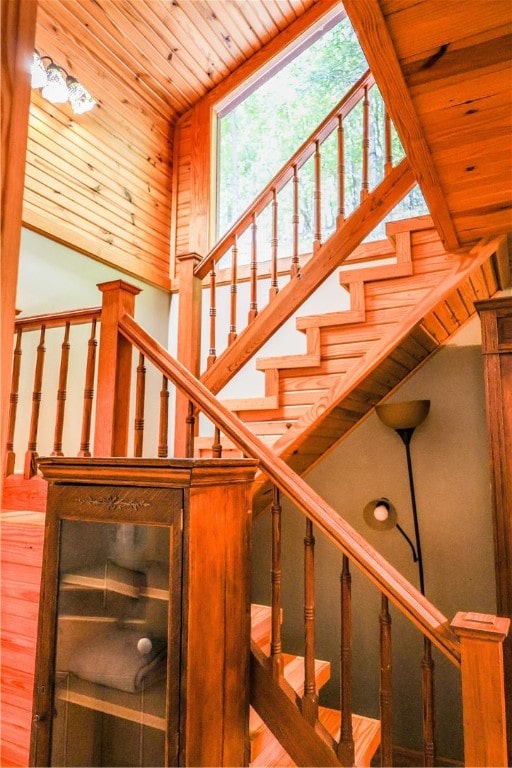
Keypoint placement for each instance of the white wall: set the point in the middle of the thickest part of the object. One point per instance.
(450, 464)
(54, 278)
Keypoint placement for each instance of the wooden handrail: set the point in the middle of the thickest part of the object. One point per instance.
(286, 173)
(58, 319)
(431, 622)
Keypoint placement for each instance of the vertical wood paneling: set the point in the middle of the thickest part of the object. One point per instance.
(22, 550)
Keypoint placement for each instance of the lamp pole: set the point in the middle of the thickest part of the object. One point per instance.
(406, 435)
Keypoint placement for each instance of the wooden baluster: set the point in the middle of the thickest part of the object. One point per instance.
(212, 353)
(234, 287)
(388, 163)
(310, 698)
(427, 666)
(31, 453)
(61, 393)
(163, 427)
(295, 266)
(217, 445)
(253, 306)
(276, 574)
(190, 421)
(318, 198)
(346, 743)
(386, 685)
(341, 172)
(90, 369)
(140, 390)
(274, 288)
(365, 186)
(13, 405)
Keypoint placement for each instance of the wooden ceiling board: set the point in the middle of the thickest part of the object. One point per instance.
(440, 22)
(93, 50)
(457, 72)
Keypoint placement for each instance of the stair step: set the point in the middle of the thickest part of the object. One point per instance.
(294, 675)
(366, 732)
(267, 402)
(356, 313)
(349, 317)
(261, 625)
(288, 361)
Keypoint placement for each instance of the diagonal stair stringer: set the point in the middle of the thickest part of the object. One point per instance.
(336, 412)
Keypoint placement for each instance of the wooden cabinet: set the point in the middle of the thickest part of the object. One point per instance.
(143, 639)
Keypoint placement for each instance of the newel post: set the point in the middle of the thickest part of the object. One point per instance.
(189, 340)
(114, 371)
(483, 696)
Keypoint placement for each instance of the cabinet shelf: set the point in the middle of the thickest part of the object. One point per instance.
(144, 708)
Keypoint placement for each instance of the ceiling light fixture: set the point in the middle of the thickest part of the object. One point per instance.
(55, 90)
(59, 87)
(38, 71)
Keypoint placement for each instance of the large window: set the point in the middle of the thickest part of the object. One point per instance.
(259, 134)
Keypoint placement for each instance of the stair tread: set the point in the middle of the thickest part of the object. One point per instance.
(294, 675)
(366, 732)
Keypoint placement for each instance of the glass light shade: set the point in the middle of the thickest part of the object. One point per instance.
(80, 99)
(380, 514)
(38, 72)
(56, 89)
(405, 415)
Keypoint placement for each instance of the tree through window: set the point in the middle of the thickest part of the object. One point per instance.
(259, 134)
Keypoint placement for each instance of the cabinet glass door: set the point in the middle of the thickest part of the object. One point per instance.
(112, 658)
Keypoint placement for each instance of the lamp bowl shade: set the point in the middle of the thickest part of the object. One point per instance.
(404, 415)
(378, 524)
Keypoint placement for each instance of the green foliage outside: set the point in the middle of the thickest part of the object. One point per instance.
(261, 133)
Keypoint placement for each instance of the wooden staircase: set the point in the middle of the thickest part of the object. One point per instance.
(407, 297)
(266, 751)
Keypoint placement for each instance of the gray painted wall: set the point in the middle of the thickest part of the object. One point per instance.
(450, 464)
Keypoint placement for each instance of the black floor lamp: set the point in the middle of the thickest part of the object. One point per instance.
(404, 418)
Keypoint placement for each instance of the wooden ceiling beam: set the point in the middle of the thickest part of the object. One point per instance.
(371, 29)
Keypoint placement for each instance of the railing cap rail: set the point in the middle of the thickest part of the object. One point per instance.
(57, 319)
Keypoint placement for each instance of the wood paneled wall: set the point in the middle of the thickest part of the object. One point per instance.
(101, 186)
(22, 555)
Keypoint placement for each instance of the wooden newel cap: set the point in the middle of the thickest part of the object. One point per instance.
(185, 256)
(481, 625)
(118, 285)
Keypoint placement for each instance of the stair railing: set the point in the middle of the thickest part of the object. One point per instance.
(472, 642)
(223, 265)
(54, 331)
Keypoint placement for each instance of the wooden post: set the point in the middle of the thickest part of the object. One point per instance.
(17, 35)
(483, 697)
(114, 371)
(496, 319)
(189, 340)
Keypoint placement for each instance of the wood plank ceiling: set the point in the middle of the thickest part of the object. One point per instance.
(103, 182)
